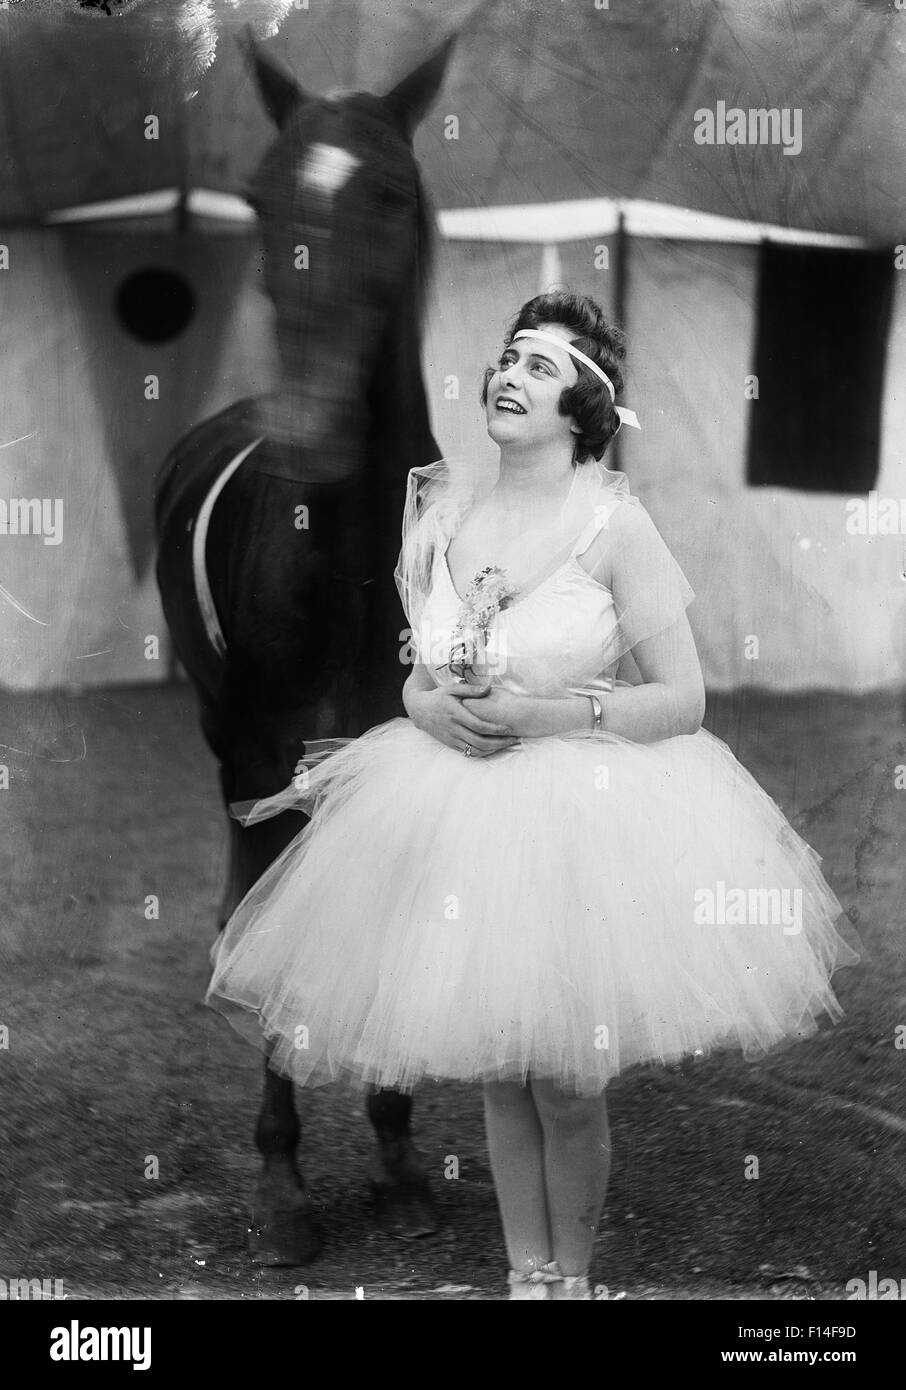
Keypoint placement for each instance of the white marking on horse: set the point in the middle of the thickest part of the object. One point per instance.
(325, 169)
(203, 592)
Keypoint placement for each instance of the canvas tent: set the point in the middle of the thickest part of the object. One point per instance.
(576, 135)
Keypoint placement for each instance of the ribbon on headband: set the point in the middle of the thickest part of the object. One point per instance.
(626, 416)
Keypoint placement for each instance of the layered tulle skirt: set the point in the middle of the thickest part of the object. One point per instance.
(565, 909)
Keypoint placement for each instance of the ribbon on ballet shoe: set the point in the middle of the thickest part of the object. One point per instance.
(533, 1283)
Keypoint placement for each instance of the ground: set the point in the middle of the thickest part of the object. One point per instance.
(112, 1060)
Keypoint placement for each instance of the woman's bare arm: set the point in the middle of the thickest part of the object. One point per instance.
(630, 559)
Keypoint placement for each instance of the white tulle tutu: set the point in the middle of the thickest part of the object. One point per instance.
(566, 909)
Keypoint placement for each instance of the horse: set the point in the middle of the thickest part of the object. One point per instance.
(278, 527)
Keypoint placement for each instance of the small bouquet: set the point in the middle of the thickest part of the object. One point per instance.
(488, 593)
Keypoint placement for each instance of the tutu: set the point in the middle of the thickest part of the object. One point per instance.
(567, 908)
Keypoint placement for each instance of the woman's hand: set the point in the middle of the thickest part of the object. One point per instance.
(454, 715)
(503, 707)
(537, 716)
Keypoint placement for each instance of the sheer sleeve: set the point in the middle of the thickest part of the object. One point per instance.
(437, 497)
(650, 591)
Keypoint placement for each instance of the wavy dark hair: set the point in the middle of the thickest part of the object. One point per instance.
(588, 400)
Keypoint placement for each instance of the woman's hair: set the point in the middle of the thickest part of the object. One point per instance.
(588, 401)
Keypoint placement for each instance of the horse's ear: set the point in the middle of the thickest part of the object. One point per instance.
(410, 99)
(279, 89)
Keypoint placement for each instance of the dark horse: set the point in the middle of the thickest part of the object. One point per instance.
(299, 634)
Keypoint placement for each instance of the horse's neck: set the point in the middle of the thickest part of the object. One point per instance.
(400, 424)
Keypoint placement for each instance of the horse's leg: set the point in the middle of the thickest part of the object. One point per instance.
(399, 1181)
(281, 1231)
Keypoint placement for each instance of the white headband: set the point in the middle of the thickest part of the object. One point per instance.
(627, 417)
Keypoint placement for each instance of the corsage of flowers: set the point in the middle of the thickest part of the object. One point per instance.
(488, 593)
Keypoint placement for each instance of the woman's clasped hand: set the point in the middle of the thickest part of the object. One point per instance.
(464, 715)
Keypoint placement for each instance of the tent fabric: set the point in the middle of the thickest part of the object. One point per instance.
(139, 431)
(542, 103)
(75, 427)
(827, 607)
(823, 320)
(552, 101)
(824, 606)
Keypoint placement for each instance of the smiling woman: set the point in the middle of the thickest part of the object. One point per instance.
(546, 828)
(582, 394)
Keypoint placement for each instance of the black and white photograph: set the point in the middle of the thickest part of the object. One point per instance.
(453, 663)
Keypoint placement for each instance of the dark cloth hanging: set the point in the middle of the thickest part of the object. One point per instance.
(820, 352)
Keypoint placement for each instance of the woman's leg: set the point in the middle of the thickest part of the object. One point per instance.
(576, 1169)
(516, 1149)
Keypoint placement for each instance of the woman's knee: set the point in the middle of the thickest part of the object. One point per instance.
(501, 1096)
(566, 1109)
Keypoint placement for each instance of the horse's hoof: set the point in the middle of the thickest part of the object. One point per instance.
(283, 1238)
(405, 1210)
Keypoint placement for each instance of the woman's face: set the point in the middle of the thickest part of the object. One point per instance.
(524, 391)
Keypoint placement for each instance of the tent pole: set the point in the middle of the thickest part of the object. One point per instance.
(621, 248)
(181, 229)
(182, 211)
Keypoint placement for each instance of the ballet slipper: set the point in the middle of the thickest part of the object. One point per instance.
(533, 1284)
(570, 1286)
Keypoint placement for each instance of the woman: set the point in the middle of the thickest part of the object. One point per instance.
(527, 881)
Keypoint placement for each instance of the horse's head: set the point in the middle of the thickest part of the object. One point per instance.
(346, 237)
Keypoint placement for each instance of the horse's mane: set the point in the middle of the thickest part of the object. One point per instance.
(425, 239)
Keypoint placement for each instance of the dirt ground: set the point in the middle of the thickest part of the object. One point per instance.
(112, 1059)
